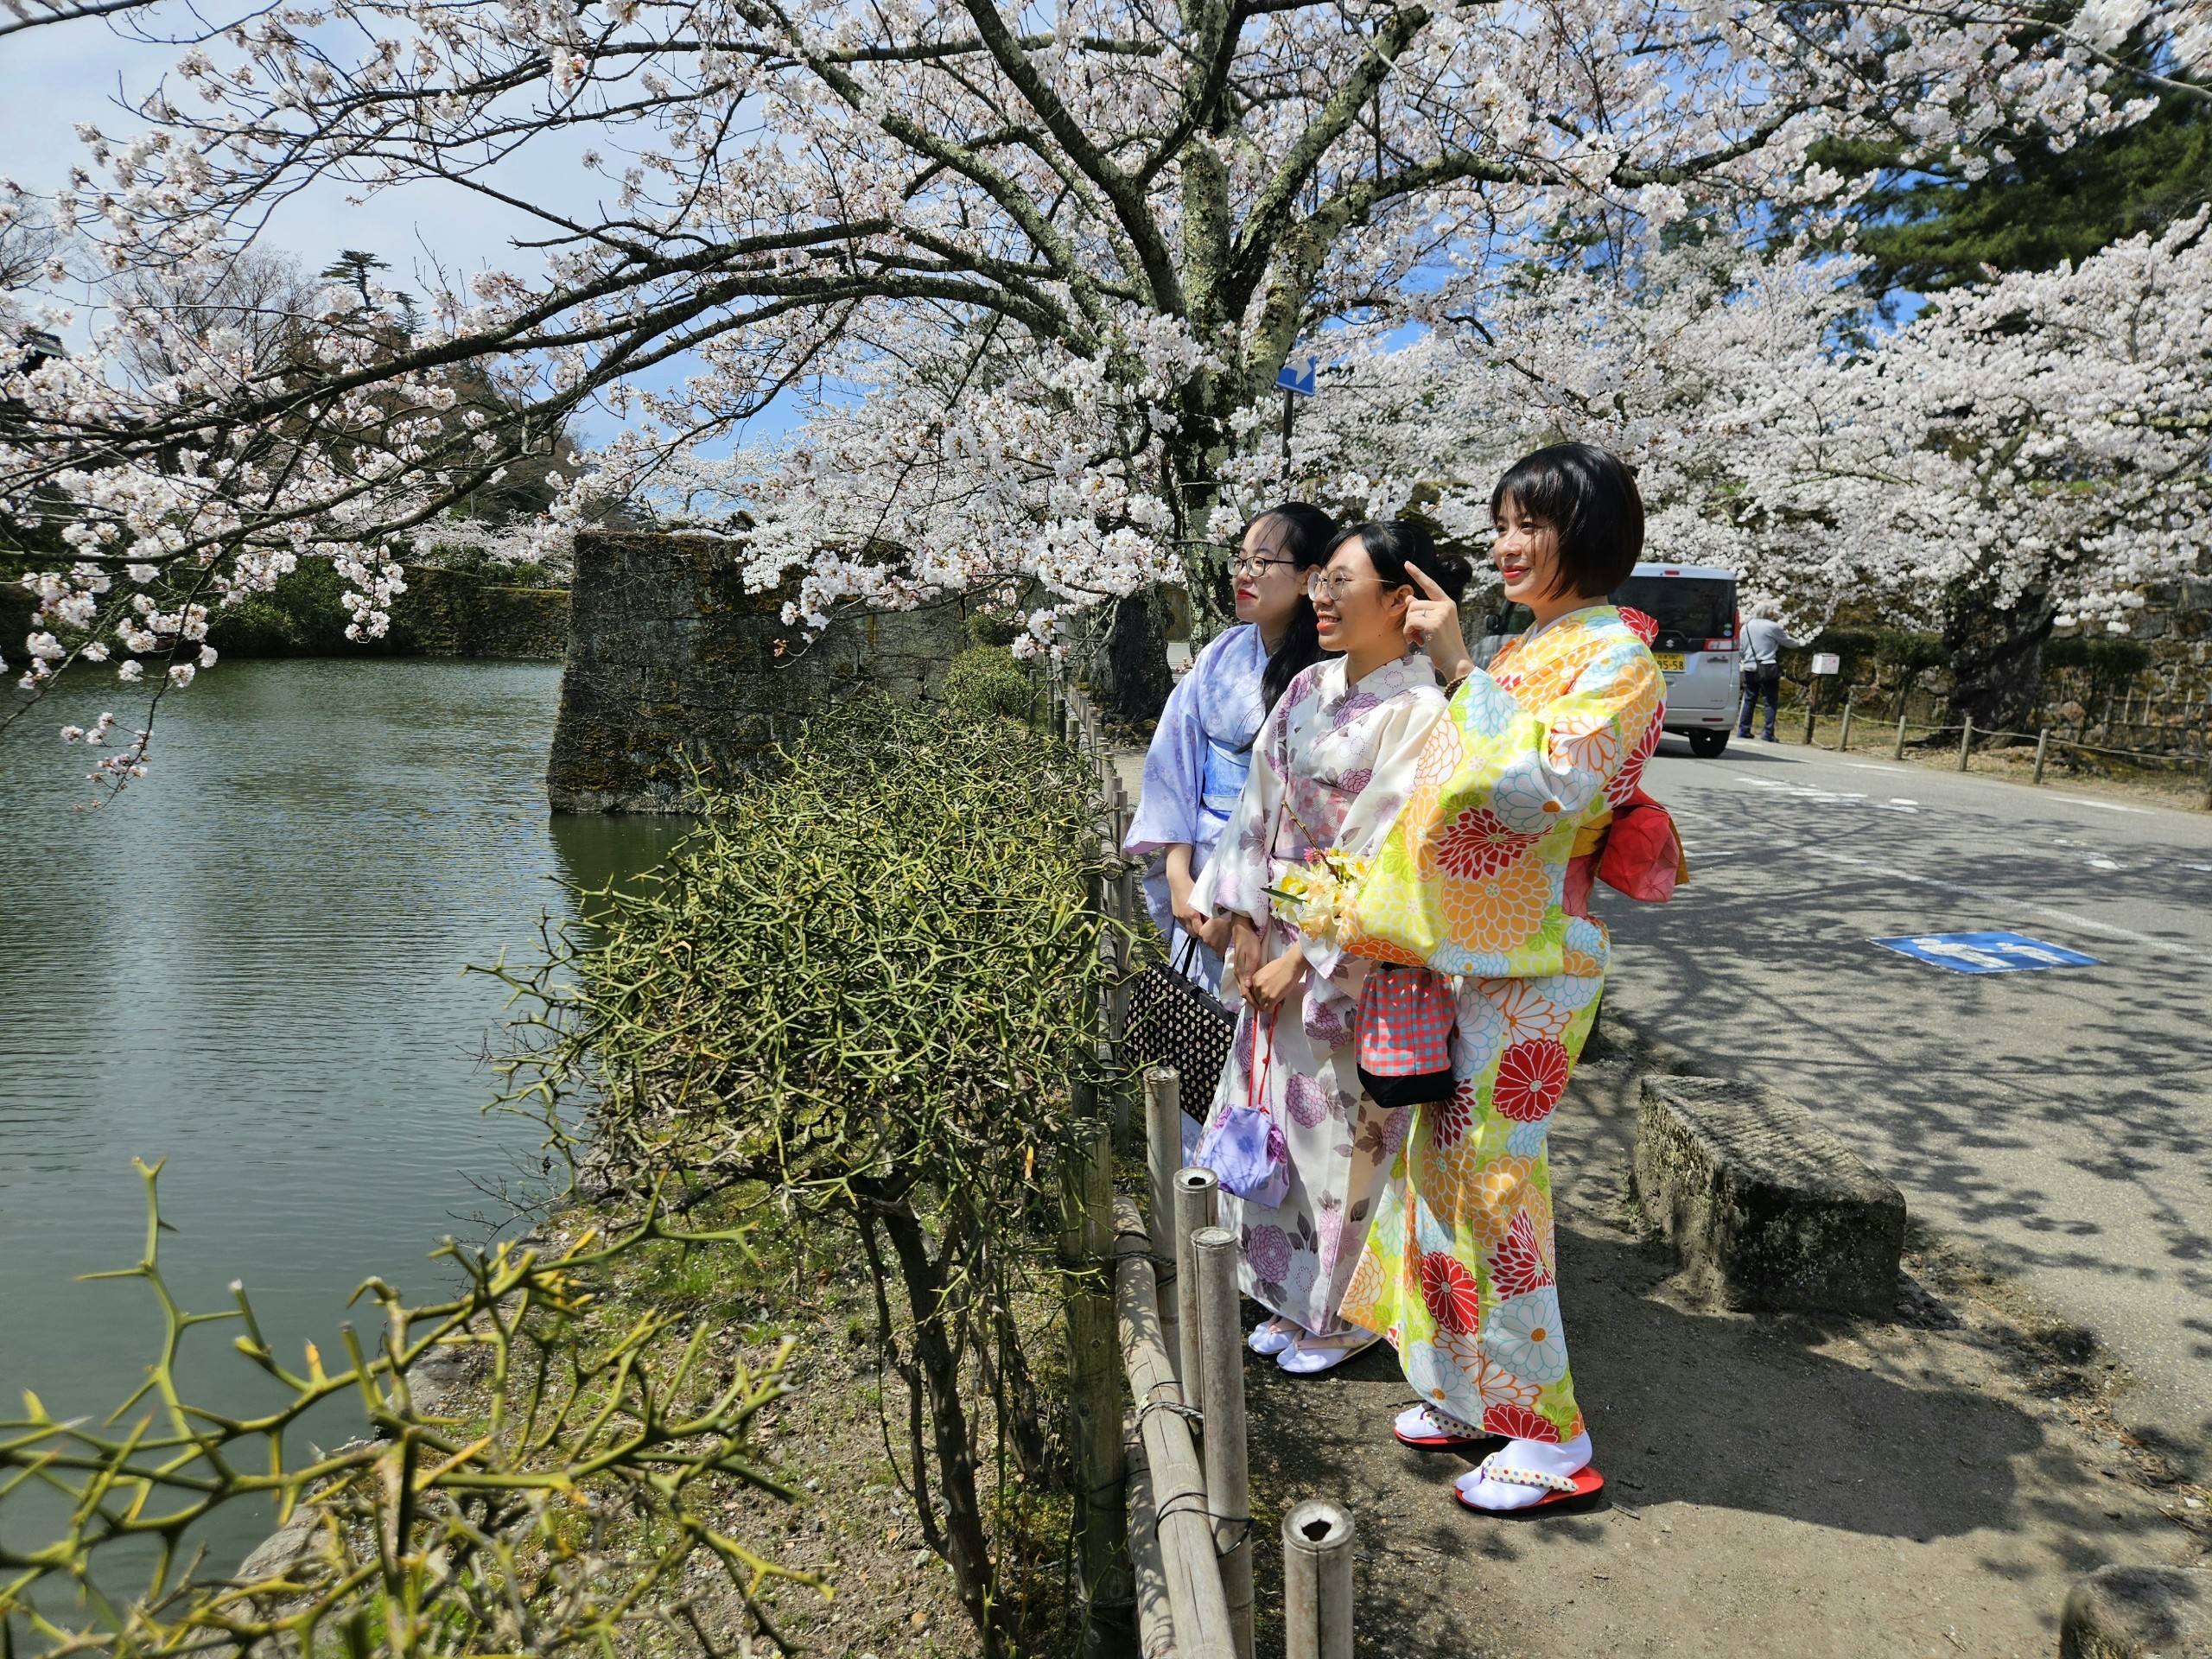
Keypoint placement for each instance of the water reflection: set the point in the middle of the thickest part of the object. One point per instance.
(250, 966)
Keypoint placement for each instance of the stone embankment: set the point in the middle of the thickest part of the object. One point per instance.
(673, 669)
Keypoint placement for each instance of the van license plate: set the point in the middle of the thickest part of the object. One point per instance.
(1669, 660)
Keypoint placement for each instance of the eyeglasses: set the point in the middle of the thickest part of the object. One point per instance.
(1247, 565)
(1320, 584)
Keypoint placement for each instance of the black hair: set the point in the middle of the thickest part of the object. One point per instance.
(1588, 497)
(1309, 536)
(1403, 543)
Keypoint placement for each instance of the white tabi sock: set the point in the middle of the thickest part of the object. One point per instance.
(1539, 1457)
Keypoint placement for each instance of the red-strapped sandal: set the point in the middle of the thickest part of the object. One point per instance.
(1584, 1482)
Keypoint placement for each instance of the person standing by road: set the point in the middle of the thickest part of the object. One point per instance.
(1765, 641)
(1471, 884)
(1333, 764)
(1201, 751)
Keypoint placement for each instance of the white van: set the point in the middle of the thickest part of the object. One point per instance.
(1701, 646)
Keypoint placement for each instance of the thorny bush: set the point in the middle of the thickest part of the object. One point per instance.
(569, 1506)
(867, 988)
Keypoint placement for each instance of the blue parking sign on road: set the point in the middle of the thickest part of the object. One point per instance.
(1986, 953)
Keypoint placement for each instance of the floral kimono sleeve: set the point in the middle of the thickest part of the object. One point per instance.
(1469, 880)
(1400, 733)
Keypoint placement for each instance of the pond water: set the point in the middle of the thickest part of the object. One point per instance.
(250, 965)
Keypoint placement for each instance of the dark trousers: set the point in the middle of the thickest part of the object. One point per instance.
(1755, 685)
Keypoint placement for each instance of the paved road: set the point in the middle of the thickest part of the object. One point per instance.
(2062, 1118)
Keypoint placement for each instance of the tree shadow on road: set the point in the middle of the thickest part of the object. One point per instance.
(1808, 1451)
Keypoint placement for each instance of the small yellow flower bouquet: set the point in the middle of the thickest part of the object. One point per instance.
(1315, 897)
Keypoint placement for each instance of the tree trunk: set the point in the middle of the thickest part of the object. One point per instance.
(1996, 656)
(935, 1363)
(1136, 680)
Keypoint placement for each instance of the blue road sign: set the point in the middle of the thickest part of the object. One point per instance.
(1290, 379)
(1986, 953)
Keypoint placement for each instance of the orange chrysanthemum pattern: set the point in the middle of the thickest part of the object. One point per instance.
(1498, 910)
(1530, 1016)
(1590, 741)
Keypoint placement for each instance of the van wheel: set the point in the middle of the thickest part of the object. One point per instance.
(1705, 744)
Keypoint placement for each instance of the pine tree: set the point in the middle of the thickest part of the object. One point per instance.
(1932, 227)
(353, 267)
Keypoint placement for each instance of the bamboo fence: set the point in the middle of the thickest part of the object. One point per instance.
(1166, 1525)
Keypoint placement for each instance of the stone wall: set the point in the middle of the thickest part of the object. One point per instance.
(2176, 622)
(671, 664)
(452, 614)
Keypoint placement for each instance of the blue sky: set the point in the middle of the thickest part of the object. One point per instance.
(64, 74)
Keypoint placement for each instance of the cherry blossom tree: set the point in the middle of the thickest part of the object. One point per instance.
(1032, 277)
(2026, 453)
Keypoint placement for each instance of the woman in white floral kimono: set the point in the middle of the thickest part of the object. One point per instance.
(1332, 765)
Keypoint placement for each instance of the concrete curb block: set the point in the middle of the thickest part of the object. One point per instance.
(2138, 1612)
(1766, 1208)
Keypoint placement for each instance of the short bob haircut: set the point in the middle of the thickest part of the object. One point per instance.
(1586, 497)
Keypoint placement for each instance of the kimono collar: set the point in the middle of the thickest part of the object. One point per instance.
(1410, 672)
(1226, 687)
(1566, 616)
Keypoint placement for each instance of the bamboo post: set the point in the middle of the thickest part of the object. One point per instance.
(1117, 999)
(1094, 1364)
(1203, 1627)
(2043, 743)
(1812, 709)
(1317, 1539)
(1899, 755)
(1221, 1366)
(1843, 743)
(1197, 1206)
(1163, 1148)
(1147, 1570)
(1965, 742)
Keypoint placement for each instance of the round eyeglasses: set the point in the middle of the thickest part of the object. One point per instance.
(1249, 566)
(1320, 585)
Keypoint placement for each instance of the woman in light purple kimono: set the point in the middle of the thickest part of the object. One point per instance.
(1333, 766)
(1201, 748)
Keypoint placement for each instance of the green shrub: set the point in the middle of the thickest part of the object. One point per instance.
(985, 680)
(1000, 628)
(2109, 662)
(548, 1495)
(303, 615)
(869, 984)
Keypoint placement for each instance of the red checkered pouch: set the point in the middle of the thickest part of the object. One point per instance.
(1406, 1016)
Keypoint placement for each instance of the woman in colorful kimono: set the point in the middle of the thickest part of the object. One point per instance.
(1333, 764)
(1485, 878)
(1201, 748)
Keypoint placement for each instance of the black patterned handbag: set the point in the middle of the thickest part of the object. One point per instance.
(1174, 1021)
